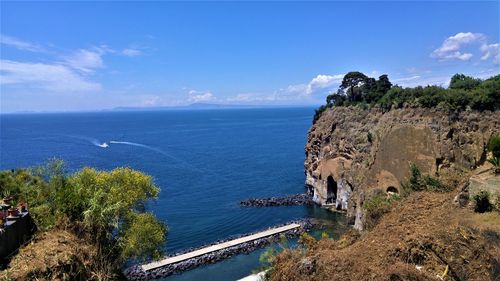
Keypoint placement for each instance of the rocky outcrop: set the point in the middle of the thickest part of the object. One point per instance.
(290, 200)
(351, 151)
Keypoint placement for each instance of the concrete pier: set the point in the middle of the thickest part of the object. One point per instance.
(217, 251)
(218, 247)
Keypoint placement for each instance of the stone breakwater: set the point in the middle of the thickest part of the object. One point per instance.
(291, 200)
(137, 273)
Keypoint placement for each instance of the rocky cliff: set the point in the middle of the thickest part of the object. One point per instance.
(352, 152)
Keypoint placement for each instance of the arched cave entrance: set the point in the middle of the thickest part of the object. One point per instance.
(392, 189)
(331, 190)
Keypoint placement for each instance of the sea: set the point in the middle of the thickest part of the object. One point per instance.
(204, 161)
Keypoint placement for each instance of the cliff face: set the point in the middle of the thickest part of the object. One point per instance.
(352, 152)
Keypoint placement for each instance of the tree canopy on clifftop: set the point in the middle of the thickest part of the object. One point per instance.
(463, 93)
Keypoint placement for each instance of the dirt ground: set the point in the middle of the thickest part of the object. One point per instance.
(423, 237)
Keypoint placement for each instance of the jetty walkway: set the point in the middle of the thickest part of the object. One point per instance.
(215, 252)
(231, 243)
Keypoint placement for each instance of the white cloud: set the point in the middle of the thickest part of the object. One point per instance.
(491, 51)
(151, 100)
(406, 79)
(52, 77)
(320, 82)
(323, 81)
(452, 47)
(86, 60)
(200, 96)
(130, 52)
(251, 98)
(20, 44)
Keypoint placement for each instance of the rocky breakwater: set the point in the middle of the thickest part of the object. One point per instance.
(352, 153)
(138, 273)
(291, 200)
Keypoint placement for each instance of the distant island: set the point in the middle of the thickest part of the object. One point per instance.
(198, 106)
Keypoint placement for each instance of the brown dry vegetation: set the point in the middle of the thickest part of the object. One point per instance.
(424, 230)
(57, 254)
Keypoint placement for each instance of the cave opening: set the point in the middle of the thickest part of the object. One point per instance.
(392, 189)
(331, 190)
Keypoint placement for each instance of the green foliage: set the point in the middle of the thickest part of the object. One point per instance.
(483, 203)
(353, 83)
(307, 240)
(419, 182)
(494, 146)
(380, 201)
(108, 206)
(495, 161)
(464, 93)
(318, 112)
(461, 81)
(141, 235)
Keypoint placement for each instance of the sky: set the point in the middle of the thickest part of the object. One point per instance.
(81, 56)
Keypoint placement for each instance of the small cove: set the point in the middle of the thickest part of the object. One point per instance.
(204, 161)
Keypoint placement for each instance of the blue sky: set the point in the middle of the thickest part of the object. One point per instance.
(71, 56)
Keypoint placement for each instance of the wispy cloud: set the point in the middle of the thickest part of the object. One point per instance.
(131, 52)
(20, 44)
(68, 71)
(86, 60)
(292, 94)
(151, 100)
(51, 77)
(491, 51)
(200, 96)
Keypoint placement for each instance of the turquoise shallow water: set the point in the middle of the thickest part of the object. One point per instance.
(204, 161)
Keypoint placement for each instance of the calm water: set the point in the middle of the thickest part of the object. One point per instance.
(204, 161)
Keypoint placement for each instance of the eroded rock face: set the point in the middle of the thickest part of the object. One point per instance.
(351, 151)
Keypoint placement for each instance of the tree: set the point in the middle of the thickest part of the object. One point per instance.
(351, 83)
(337, 99)
(383, 84)
(461, 81)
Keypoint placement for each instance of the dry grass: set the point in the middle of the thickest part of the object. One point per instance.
(421, 238)
(57, 255)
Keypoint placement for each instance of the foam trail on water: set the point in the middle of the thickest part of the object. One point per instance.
(152, 149)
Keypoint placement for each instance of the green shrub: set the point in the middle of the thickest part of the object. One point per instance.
(419, 182)
(106, 206)
(494, 146)
(483, 203)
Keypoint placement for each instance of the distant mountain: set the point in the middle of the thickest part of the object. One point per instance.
(194, 106)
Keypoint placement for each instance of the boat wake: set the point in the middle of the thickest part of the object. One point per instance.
(139, 145)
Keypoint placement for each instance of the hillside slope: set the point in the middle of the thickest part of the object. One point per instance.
(418, 239)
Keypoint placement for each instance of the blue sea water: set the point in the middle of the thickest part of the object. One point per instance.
(204, 161)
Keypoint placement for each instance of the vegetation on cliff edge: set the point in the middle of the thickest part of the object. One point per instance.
(106, 208)
(464, 92)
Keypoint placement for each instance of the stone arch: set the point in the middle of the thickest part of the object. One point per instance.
(392, 189)
(331, 190)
